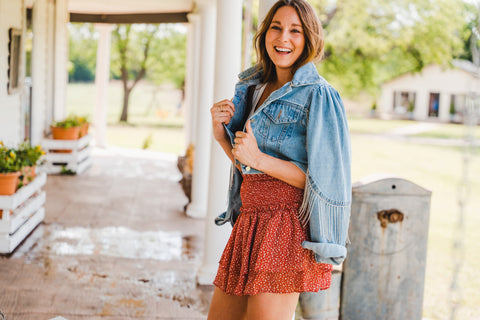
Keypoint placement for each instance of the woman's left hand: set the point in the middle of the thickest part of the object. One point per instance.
(246, 148)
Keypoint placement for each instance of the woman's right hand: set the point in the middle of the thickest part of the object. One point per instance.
(222, 112)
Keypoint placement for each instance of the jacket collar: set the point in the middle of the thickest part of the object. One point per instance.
(305, 75)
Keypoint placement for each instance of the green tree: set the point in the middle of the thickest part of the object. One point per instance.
(370, 41)
(131, 49)
(471, 35)
(82, 48)
(167, 63)
(154, 52)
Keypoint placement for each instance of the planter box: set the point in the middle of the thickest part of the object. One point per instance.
(27, 210)
(74, 158)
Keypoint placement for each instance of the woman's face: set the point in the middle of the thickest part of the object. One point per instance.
(285, 39)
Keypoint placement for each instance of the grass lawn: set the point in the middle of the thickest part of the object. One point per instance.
(449, 131)
(357, 124)
(154, 117)
(438, 169)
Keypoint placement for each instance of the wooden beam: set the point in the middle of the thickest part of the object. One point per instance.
(177, 17)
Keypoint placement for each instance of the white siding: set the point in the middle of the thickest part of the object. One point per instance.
(10, 105)
(49, 67)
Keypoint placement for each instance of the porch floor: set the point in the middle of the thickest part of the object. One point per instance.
(115, 244)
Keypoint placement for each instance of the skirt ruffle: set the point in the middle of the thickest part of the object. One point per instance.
(264, 252)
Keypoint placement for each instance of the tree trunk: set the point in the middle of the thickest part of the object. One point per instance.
(126, 97)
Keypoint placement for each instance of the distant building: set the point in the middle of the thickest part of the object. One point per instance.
(435, 93)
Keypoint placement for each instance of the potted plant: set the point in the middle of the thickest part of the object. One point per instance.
(68, 129)
(373, 110)
(452, 112)
(10, 166)
(411, 108)
(84, 125)
(29, 156)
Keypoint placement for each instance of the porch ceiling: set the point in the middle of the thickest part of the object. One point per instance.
(119, 7)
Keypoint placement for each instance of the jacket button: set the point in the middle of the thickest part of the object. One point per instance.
(248, 168)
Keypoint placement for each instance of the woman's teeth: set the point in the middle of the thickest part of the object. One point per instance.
(283, 49)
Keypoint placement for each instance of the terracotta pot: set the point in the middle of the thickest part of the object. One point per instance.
(65, 134)
(8, 183)
(28, 174)
(84, 129)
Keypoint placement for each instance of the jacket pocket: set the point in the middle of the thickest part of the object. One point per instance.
(279, 120)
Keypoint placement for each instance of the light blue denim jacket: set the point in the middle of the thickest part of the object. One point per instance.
(303, 122)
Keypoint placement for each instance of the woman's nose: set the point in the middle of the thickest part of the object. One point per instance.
(284, 36)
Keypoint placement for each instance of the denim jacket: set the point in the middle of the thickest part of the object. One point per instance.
(303, 122)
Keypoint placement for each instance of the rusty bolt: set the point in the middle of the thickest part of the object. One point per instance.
(386, 216)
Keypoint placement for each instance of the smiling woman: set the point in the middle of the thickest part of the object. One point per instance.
(286, 134)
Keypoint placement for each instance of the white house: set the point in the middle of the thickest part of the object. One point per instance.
(434, 93)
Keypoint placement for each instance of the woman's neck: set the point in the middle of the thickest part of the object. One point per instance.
(283, 76)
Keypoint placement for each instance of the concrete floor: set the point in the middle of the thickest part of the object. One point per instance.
(115, 244)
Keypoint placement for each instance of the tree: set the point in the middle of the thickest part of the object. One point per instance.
(132, 45)
(370, 41)
(471, 35)
(167, 64)
(82, 48)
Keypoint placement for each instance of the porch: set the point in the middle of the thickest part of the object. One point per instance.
(115, 244)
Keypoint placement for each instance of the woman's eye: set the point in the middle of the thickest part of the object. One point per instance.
(296, 31)
(275, 28)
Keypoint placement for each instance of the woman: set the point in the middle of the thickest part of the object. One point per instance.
(286, 134)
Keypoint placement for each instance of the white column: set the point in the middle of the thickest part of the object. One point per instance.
(102, 75)
(191, 78)
(421, 105)
(61, 60)
(197, 208)
(49, 68)
(263, 8)
(228, 60)
(444, 106)
(39, 76)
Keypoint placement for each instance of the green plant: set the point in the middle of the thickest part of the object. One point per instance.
(147, 142)
(452, 108)
(82, 119)
(67, 171)
(9, 161)
(69, 122)
(29, 155)
(411, 106)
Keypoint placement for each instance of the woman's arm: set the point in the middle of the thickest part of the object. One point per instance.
(247, 152)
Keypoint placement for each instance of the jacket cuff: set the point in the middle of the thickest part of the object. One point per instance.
(222, 219)
(330, 253)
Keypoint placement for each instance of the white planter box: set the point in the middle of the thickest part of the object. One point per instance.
(76, 161)
(27, 210)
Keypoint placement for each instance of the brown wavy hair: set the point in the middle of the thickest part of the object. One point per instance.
(312, 31)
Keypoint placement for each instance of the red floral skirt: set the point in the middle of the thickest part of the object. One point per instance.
(264, 252)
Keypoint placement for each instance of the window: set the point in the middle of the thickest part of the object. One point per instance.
(403, 101)
(14, 44)
(434, 104)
